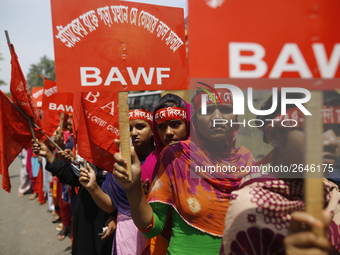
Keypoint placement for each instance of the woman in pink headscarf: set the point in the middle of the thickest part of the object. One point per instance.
(196, 199)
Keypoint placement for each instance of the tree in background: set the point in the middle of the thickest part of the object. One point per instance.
(1, 81)
(45, 68)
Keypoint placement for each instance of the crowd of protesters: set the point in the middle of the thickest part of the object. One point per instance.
(171, 208)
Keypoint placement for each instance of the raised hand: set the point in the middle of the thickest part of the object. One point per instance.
(87, 178)
(301, 240)
(67, 156)
(121, 174)
(41, 149)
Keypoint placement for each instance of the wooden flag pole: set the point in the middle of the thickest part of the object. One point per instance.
(61, 123)
(85, 164)
(124, 130)
(32, 123)
(8, 40)
(314, 197)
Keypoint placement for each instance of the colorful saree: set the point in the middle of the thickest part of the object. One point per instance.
(260, 212)
(202, 202)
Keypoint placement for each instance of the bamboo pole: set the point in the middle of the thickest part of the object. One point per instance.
(85, 164)
(124, 130)
(314, 197)
(32, 123)
(61, 123)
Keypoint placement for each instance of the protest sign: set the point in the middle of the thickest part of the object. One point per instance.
(118, 46)
(37, 94)
(55, 101)
(266, 39)
(237, 43)
(54, 104)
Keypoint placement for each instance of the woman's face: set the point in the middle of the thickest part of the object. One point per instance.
(291, 145)
(68, 125)
(140, 132)
(171, 131)
(209, 125)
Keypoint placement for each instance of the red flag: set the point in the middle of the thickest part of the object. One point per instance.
(95, 127)
(55, 101)
(15, 134)
(20, 92)
(50, 122)
(39, 183)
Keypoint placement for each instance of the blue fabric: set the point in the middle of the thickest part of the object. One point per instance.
(35, 166)
(117, 193)
(65, 195)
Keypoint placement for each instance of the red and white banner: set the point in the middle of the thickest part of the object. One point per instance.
(109, 45)
(55, 101)
(37, 94)
(95, 127)
(265, 39)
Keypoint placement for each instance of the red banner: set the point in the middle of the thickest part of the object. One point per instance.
(50, 122)
(265, 39)
(108, 45)
(20, 93)
(95, 127)
(37, 94)
(15, 134)
(55, 101)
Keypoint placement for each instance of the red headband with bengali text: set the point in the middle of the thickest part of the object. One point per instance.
(140, 115)
(170, 113)
(295, 118)
(224, 94)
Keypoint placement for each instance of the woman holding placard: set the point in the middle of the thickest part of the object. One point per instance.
(129, 239)
(197, 199)
(269, 207)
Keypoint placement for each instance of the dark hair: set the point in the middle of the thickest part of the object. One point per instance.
(169, 100)
(329, 98)
(141, 107)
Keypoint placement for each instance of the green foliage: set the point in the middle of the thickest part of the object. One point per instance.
(45, 68)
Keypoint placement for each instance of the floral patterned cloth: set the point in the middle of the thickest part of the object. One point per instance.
(260, 212)
(201, 202)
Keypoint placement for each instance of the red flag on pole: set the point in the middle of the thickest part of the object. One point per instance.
(20, 92)
(15, 134)
(95, 127)
(50, 122)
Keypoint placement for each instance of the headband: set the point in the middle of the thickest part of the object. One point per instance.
(170, 113)
(139, 114)
(295, 118)
(224, 94)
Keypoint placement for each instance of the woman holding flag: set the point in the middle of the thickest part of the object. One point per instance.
(198, 200)
(129, 240)
(88, 218)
